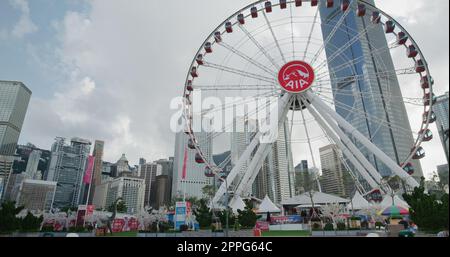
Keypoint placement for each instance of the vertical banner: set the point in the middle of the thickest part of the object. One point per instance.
(81, 215)
(183, 175)
(180, 214)
(90, 166)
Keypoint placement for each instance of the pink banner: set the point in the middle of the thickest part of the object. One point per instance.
(183, 174)
(88, 174)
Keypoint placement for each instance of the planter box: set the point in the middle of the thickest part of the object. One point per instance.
(329, 233)
(342, 233)
(317, 233)
(25, 234)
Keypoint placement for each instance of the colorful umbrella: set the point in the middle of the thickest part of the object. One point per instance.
(394, 211)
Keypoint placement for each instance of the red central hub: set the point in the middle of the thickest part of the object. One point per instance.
(296, 76)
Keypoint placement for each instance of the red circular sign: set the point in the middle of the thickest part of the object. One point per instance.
(296, 76)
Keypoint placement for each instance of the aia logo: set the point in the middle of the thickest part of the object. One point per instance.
(296, 76)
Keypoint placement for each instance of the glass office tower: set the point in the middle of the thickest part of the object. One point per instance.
(359, 89)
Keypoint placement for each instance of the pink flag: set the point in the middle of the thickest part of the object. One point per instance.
(89, 168)
(183, 175)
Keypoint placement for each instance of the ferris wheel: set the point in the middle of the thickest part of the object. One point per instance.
(341, 73)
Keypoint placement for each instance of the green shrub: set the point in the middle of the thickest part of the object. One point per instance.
(341, 226)
(355, 218)
(328, 227)
(316, 226)
(378, 224)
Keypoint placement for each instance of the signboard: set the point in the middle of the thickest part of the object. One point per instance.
(88, 174)
(81, 215)
(262, 225)
(180, 214)
(296, 76)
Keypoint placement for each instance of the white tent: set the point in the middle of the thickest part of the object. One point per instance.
(387, 202)
(358, 202)
(237, 204)
(319, 198)
(268, 206)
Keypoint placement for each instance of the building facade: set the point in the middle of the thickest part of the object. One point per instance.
(163, 191)
(195, 178)
(148, 173)
(98, 168)
(366, 101)
(335, 178)
(14, 99)
(36, 194)
(67, 167)
(441, 110)
(130, 189)
(6, 168)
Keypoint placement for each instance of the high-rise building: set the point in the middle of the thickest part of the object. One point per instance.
(443, 173)
(67, 167)
(368, 93)
(13, 186)
(142, 161)
(98, 167)
(441, 110)
(33, 163)
(148, 173)
(14, 99)
(36, 194)
(130, 189)
(195, 178)
(6, 168)
(162, 191)
(335, 178)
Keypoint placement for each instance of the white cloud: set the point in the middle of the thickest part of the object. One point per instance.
(124, 63)
(25, 25)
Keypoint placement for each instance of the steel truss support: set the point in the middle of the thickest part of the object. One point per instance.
(319, 105)
(258, 158)
(344, 145)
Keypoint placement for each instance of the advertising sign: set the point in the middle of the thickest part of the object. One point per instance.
(262, 225)
(180, 214)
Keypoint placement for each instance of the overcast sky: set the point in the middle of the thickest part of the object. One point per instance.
(107, 69)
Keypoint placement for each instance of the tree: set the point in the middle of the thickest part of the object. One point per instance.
(209, 191)
(203, 214)
(31, 223)
(121, 207)
(426, 211)
(8, 220)
(247, 218)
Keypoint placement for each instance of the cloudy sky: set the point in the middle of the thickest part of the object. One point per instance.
(108, 69)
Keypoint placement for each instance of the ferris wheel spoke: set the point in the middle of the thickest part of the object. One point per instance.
(274, 36)
(350, 62)
(238, 72)
(331, 35)
(235, 87)
(357, 112)
(311, 33)
(247, 58)
(258, 45)
(292, 31)
(381, 74)
(352, 41)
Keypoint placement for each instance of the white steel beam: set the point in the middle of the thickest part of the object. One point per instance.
(383, 157)
(344, 148)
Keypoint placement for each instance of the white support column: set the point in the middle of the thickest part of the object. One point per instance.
(263, 150)
(352, 147)
(322, 107)
(344, 148)
(282, 105)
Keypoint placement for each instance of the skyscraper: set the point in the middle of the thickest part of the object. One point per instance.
(33, 163)
(148, 173)
(14, 99)
(370, 94)
(98, 167)
(441, 110)
(335, 178)
(195, 179)
(130, 189)
(36, 194)
(67, 167)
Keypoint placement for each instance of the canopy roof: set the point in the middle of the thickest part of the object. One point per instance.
(358, 202)
(237, 204)
(387, 202)
(319, 198)
(268, 206)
